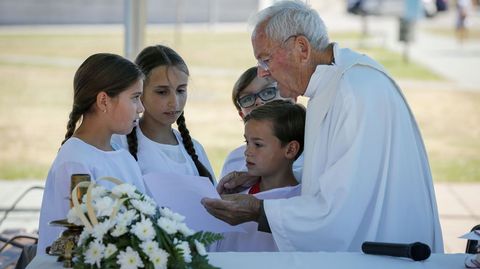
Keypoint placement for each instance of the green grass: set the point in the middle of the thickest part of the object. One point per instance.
(461, 170)
(36, 73)
(20, 170)
(396, 66)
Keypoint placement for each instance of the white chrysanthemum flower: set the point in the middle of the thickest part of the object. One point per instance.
(126, 189)
(144, 229)
(159, 259)
(119, 230)
(200, 248)
(185, 248)
(149, 200)
(72, 217)
(166, 212)
(103, 206)
(168, 225)
(101, 229)
(149, 247)
(127, 217)
(144, 207)
(94, 253)
(129, 259)
(110, 250)
(83, 236)
(98, 191)
(183, 228)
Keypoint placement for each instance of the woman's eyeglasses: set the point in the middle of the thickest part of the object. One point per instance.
(266, 94)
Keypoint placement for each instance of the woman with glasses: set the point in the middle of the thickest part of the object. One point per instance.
(249, 92)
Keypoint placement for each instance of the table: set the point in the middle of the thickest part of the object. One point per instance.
(300, 260)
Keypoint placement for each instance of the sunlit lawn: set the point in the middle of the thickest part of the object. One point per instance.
(37, 67)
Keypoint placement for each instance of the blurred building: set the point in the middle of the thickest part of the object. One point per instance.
(18, 12)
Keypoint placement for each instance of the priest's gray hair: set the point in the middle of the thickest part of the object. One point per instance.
(289, 18)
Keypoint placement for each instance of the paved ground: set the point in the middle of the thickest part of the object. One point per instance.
(442, 53)
(457, 204)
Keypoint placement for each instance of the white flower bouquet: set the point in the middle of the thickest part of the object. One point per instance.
(125, 229)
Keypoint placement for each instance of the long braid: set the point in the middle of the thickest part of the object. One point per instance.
(188, 144)
(133, 143)
(72, 124)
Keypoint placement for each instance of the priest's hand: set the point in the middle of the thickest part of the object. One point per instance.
(235, 182)
(234, 208)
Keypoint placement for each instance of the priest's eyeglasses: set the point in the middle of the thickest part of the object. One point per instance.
(265, 95)
(264, 63)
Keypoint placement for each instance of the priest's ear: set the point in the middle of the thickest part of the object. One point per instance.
(291, 149)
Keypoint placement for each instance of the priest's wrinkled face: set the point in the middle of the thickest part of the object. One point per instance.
(278, 61)
(264, 153)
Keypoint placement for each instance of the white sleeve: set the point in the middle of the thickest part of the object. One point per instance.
(56, 201)
(235, 161)
(225, 167)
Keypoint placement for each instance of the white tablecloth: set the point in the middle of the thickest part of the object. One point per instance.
(294, 260)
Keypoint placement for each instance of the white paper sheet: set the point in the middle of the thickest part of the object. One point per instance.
(182, 194)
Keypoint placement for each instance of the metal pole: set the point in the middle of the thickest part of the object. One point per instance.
(135, 22)
(177, 35)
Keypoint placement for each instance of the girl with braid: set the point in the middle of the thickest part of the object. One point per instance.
(106, 101)
(154, 143)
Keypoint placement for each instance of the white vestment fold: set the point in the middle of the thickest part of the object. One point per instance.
(366, 175)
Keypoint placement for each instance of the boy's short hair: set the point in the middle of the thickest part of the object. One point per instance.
(288, 120)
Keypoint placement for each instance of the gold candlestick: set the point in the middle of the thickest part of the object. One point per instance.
(77, 178)
(64, 245)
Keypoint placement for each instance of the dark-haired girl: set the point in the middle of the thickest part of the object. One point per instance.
(107, 90)
(156, 145)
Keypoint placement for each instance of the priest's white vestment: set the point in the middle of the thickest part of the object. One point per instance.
(366, 175)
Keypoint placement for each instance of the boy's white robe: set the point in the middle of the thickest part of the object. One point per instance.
(366, 175)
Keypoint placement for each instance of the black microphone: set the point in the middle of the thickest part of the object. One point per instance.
(416, 251)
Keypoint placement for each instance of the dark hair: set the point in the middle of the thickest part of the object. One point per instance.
(148, 59)
(101, 72)
(242, 82)
(288, 120)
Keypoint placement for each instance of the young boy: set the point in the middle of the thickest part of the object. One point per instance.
(274, 134)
